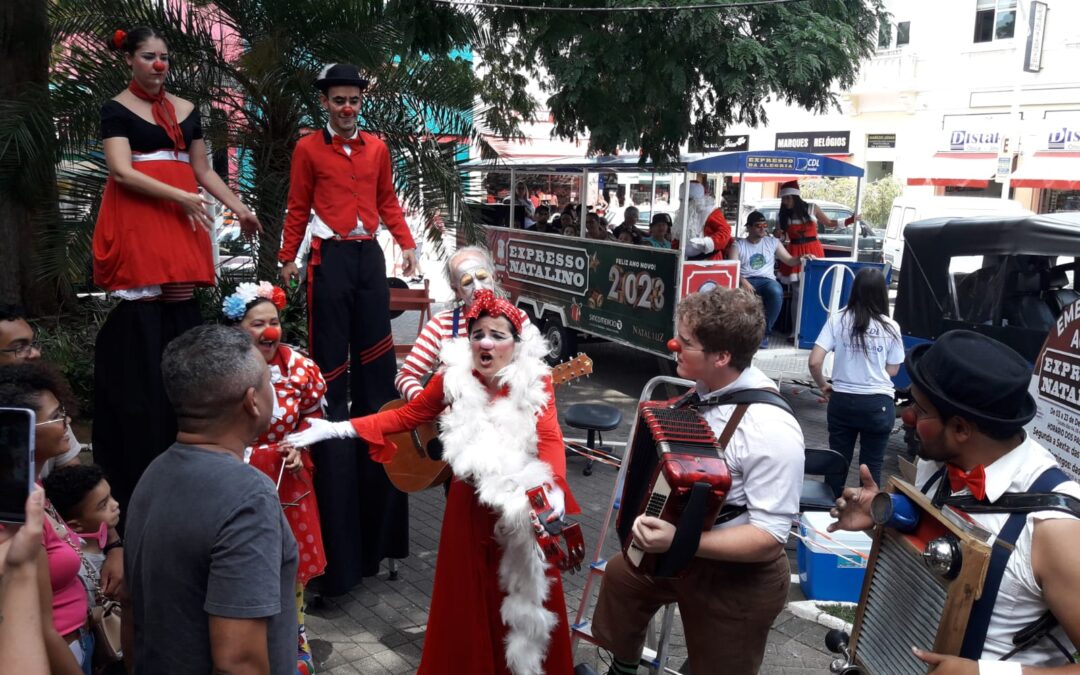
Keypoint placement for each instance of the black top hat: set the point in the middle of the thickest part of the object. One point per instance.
(969, 375)
(340, 74)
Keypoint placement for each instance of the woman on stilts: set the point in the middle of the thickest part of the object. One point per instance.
(151, 249)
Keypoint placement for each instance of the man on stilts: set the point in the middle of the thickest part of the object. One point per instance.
(344, 176)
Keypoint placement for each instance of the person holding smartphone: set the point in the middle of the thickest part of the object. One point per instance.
(21, 635)
(64, 604)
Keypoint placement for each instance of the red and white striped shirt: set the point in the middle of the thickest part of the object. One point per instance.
(424, 357)
(425, 353)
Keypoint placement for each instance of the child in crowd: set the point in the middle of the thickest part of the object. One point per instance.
(83, 498)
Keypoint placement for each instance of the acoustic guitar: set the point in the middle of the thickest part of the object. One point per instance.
(417, 465)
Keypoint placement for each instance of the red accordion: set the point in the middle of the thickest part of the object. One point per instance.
(677, 473)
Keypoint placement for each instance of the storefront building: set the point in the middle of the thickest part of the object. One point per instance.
(965, 97)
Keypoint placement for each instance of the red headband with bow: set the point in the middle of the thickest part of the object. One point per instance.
(486, 302)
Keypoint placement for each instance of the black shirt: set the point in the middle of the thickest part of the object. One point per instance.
(143, 136)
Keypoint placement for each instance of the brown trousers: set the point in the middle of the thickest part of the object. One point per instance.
(727, 609)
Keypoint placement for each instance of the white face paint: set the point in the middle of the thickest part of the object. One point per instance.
(471, 274)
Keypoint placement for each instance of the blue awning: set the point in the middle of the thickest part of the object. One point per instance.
(775, 162)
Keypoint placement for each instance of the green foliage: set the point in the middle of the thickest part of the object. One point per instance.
(67, 342)
(653, 80)
(877, 197)
(844, 612)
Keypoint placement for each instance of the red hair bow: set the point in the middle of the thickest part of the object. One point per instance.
(118, 38)
(486, 302)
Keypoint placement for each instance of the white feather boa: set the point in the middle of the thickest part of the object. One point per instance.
(493, 446)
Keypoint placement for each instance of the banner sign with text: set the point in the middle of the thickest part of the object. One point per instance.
(1055, 385)
(818, 142)
(617, 291)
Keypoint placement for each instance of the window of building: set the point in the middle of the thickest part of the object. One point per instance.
(884, 35)
(994, 20)
(903, 33)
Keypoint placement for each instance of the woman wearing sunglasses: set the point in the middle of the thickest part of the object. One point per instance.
(298, 388)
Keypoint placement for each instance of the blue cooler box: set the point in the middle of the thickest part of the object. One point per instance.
(827, 570)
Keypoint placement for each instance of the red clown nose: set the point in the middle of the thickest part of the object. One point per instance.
(674, 346)
(909, 417)
(272, 333)
(159, 66)
(348, 111)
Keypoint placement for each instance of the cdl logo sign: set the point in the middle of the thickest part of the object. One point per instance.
(807, 164)
(1063, 139)
(966, 141)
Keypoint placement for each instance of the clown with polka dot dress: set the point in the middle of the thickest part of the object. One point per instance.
(299, 389)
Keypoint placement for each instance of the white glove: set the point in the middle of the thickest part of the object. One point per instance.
(557, 499)
(321, 430)
(700, 245)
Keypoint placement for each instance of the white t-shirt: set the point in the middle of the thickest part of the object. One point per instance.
(759, 259)
(856, 371)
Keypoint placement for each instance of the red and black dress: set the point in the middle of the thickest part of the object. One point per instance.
(144, 250)
(802, 238)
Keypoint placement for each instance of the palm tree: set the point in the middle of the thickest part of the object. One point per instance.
(251, 65)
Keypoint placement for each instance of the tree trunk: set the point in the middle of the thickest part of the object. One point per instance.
(28, 196)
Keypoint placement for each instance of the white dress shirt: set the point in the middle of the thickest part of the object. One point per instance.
(1020, 598)
(765, 456)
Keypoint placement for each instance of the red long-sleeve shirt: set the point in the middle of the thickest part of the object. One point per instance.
(341, 188)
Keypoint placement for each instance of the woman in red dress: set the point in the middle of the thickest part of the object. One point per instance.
(299, 389)
(151, 248)
(799, 221)
(497, 607)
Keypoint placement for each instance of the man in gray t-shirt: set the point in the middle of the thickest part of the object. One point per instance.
(209, 557)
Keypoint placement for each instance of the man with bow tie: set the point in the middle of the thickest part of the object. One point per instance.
(341, 179)
(971, 404)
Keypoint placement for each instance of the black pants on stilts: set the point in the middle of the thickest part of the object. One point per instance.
(364, 518)
(133, 419)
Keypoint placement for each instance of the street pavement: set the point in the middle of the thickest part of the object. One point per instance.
(379, 626)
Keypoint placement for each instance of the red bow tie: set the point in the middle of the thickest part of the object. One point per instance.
(354, 143)
(974, 480)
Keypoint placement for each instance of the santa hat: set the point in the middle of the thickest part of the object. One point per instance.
(789, 188)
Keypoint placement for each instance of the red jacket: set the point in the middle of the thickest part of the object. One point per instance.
(717, 229)
(341, 188)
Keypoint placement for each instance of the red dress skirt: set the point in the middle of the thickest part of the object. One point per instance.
(802, 239)
(465, 632)
(144, 241)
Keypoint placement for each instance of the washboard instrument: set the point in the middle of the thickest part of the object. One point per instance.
(919, 587)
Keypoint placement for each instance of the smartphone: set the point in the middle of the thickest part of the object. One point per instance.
(16, 462)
